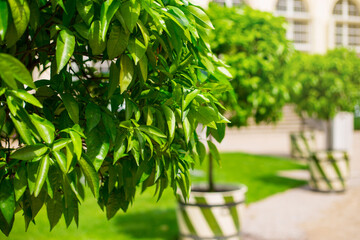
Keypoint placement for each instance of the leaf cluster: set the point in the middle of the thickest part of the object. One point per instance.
(126, 84)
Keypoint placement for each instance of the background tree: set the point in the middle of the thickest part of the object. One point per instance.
(134, 126)
(254, 44)
(325, 84)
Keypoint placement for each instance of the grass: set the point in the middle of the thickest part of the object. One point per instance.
(147, 219)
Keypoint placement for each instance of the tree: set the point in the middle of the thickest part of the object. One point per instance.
(325, 84)
(254, 45)
(132, 126)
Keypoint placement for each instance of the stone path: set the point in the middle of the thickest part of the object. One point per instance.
(302, 214)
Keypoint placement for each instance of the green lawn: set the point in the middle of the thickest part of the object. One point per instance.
(147, 219)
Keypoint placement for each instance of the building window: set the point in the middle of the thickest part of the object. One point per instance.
(230, 3)
(347, 24)
(296, 13)
(281, 5)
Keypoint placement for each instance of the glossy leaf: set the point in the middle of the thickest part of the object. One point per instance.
(20, 183)
(44, 127)
(214, 151)
(117, 42)
(7, 199)
(143, 63)
(114, 79)
(86, 10)
(108, 10)
(77, 143)
(130, 11)
(4, 14)
(65, 45)
(28, 153)
(20, 13)
(96, 42)
(171, 121)
(91, 176)
(61, 160)
(42, 174)
(27, 97)
(126, 72)
(71, 106)
(137, 49)
(11, 68)
(60, 143)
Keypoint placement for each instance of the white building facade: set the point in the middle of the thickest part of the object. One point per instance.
(314, 25)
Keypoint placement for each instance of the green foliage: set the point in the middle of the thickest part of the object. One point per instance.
(325, 84)
(254, 44)
(133, 125)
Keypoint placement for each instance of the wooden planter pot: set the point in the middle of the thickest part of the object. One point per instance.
(329, 171)
(211, 215)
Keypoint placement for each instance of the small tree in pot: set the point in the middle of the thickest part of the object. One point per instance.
(325, 85)
(77, 127)
(254, 45)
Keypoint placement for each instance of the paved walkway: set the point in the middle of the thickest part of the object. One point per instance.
(302, 214)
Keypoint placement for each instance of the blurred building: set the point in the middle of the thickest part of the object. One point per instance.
(314, 25)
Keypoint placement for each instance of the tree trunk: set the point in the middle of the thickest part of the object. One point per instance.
(211, 171)
(329, 135)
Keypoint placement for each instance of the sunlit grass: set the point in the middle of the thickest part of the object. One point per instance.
(148, 219)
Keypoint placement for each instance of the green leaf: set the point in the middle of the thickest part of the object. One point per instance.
(150, 130)
(44, 127)
(108, 10)
(97, 146)
(20, 183)
(3, 19)
(86, 10)
(61, 160)
(28, 153)
(27, 97)
(109, 125)
(117, 42)
(144, 32)
(65, 45)
(170, 120)
(114, 203)
(137, 49)
(60, 144)
(71, 106)
(5, 227)
(7, 199)
(3, 116)
(214, 151)
(114, 79)
(96, 42)
(201, 150)
(92, 115)
(11, 68)
(77, 142)
(42, 174)
(130, 11)
(189, 97)
(218, 133)
(120, 147)
(200, 16)
(144, 67)
(187, 129)
(20, 13)
(23, 130)
(54, 209)
(91, 176)
(126, 72)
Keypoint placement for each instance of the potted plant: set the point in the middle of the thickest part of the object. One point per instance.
(324, 86)
(258, 90)
(112, 132)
